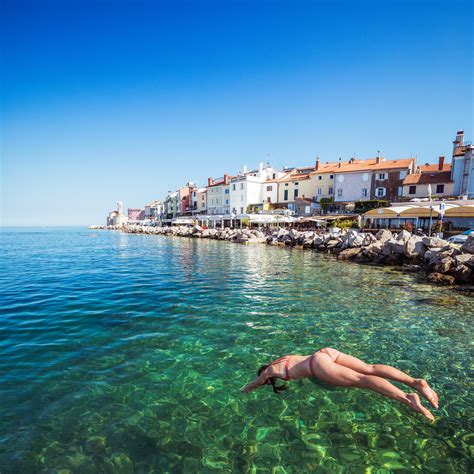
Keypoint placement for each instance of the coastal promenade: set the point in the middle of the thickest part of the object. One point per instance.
(434, 260)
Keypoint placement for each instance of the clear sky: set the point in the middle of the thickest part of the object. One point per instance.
(115, 100)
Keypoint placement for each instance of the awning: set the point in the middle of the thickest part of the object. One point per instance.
(460, 211)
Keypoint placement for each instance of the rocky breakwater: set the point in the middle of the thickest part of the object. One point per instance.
(241, 236)
(434, 259)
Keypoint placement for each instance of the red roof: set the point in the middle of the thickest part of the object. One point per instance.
(428, 178)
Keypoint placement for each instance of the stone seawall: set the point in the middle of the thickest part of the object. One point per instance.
(433, 259)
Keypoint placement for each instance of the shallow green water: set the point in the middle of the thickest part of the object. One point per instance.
(125, 353)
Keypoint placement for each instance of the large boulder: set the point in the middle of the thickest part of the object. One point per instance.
(462, 273)
(468, 246)
(403, 236)
(465, 259)
(368, 239)
(434, 242)
(350, 253)
(383, 235)
(443, 265)
(373, 250)
(414, 247)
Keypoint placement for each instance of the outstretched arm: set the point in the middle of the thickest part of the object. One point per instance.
(260, 380)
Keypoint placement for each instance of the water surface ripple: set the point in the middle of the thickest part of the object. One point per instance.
(125, 353)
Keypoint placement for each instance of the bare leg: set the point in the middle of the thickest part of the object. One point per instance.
(386, 371)
(336, 374)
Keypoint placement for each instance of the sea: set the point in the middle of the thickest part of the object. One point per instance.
(125, 353)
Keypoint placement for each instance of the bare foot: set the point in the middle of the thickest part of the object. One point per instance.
(423, 387)
(415, 403)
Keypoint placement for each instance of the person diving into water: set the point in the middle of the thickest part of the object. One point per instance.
(342, 370)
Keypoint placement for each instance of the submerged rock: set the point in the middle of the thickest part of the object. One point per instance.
(440, 279)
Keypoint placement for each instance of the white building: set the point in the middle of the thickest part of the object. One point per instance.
(250, 188)
(154, 210)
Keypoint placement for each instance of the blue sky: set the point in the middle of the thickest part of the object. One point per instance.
(114, 100)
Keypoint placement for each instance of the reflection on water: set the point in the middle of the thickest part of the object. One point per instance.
(125, 353)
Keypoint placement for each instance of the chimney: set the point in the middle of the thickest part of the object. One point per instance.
(226, 178)
(459, 138)
(245, 169)
(317, 164)
(441, 163)
(378, 159)
(340, 163)
(209, 181)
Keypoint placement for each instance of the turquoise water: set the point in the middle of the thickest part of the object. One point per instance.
(125, 353)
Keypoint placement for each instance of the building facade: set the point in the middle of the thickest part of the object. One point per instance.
(218, 195)
(462, 167)
(374, 178)
(429, 180)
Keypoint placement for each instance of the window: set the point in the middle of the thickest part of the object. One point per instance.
(331, 176)
(364, 192)
(227, 202)
(241, 210)
(233, 187)
(286, 184)
(380, 192)
(296, 184)
(285, 197)
(226, 191)
(339, 192)
(400, 191)
(269, 188)
(403, 174)
(439, 188)
(227, 211)
(295, 193)
(381, 176)
(241, 185)
(412, 190)
(331, 190)
(274, 175)
(320, 191)
(320, 177)
(268, 199)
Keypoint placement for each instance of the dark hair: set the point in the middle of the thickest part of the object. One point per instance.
(272, 380)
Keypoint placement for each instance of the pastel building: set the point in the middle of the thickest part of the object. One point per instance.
(185, 198)
(462, 169)
(201, 200)
(322, 179)
(434, 180)
(171, 204)
(218, 195)
(374, 178)
(136, 215)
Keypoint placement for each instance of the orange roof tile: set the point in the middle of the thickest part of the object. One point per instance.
(434, 167)
(371, 164)
(428, 178)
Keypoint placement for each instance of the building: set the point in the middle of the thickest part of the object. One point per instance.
(136, 215)
(218, 195)
(171, 206)
(323, 180)
(462, 167)
(429, 180)
(248, 189)
(185, 194)
(201, 200)
(117, 218)
(154, 210)
(374, 178)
